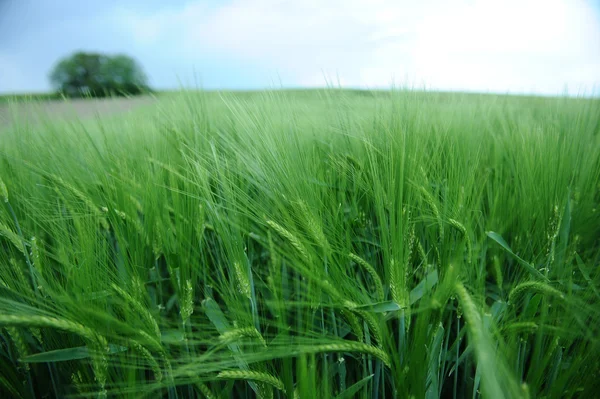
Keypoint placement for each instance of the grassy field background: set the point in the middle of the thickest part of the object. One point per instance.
(323, 243)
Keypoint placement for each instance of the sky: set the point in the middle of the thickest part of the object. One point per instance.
(509, 46)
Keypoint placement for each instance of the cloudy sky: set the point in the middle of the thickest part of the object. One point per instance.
(532, 46)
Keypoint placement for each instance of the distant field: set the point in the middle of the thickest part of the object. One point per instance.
(43, 109)
(301, 244)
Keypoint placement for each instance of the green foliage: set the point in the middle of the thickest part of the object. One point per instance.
(304, 244)
(98, 75)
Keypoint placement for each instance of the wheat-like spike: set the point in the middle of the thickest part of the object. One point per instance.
(348, 346)
(35, 256)
(20, 344)
(77, 193)
(138, 288)
(245, 332)
(374, 276)
(37, 333)
(56, 323)
(431, 202)
(372, 322)
(187, 304)
(314, 227)
(157, 242)
(398, 282)
(553, 231)
(153, 343)
(77, 380)
(354, 324)
(13, 237)
(536, 286)
(438, 255)
(137, 204)
(332, 291)
(149, 358)
(3, 191)
(18, 270)
(526, 326)
(243, 281)
(463, 230)
(100, 367)
(96, 341)
(140, 309)
(205, 391)
(498, 272)
(249, 375)
(291, 238)
(137, 225)
(265, 391)
(474, 322)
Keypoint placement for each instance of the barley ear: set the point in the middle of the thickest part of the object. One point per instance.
(296, 243)
(243, 281)
(248, 375)
(187, 301)
(374, 276)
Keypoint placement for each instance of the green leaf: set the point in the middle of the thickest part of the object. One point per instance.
(215, 315)
(63, 355)
(351, 391)
(435, 360)
(423, 287)
(498, 238)
(586, 275)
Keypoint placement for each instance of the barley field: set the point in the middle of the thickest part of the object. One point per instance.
(303, 244)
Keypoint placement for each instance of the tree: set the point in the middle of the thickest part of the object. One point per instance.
(98, 75)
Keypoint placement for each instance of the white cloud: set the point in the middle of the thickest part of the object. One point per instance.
(514, 45)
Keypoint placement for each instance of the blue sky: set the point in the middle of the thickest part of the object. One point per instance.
(531, 46)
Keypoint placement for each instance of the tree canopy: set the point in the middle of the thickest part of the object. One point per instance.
(98, 75)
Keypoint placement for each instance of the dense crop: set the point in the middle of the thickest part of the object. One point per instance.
(304, 244)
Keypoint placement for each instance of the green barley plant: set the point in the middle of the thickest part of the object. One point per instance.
(304, 243)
